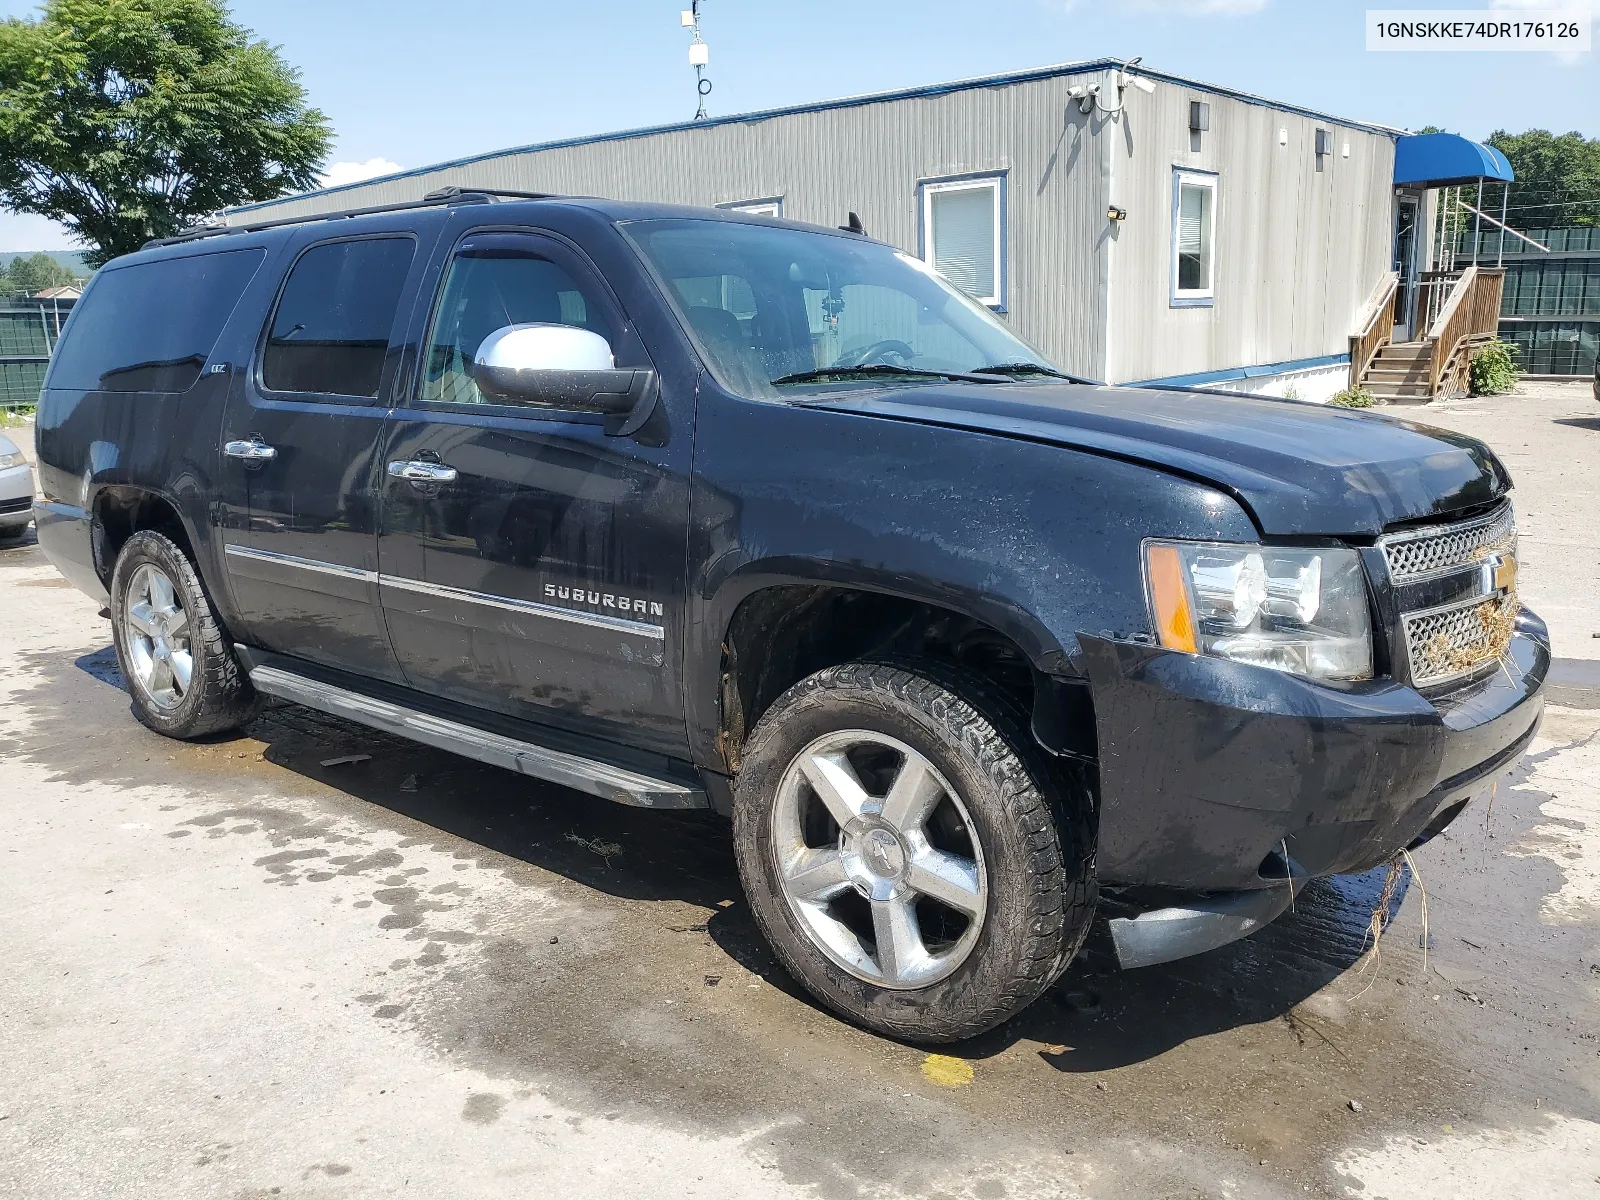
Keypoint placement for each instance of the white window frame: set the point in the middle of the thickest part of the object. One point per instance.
(772, 206)
(1194, 297)
(993, 180)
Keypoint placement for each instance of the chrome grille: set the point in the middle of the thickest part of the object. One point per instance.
(1423, 552)
(1459, 638)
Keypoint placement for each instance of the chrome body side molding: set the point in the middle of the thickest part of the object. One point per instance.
(528, 607)
(541, 762)
(303, 564)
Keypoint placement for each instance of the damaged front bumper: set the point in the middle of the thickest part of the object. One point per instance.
(1224, 786)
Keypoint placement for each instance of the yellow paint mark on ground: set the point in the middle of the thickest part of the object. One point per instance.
(947, 1071)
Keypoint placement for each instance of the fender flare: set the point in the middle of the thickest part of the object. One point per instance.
(733, 580)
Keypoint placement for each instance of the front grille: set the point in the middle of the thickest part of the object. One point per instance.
(1458, 639)
(1458, 606)
(1423, 552)
(11, 506)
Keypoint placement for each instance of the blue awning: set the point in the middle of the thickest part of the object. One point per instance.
(1446, 159)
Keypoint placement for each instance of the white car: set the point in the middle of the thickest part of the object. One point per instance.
(16, 490)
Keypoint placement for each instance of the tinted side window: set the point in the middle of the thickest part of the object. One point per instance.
(495, 281)
(330, 330)
(150, 327)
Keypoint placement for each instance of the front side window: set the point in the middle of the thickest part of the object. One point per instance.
(150, 327)
(330, 332)
(1194, 233)
(778, 310)
(962, 222)
(497, 280)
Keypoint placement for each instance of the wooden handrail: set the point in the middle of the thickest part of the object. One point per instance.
(1375, 327)
(1469, 317)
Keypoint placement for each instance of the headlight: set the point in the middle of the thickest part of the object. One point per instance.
(9, 460)
(1301, 611)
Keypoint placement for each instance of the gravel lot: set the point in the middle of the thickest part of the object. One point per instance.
(233, 971)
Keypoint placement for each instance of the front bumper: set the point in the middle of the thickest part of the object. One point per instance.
(1213, 773)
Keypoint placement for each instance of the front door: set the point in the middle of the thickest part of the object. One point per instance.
(537, 565)
(301, 440)
(1405, 264)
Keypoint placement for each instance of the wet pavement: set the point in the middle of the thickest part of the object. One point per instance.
(232, 970)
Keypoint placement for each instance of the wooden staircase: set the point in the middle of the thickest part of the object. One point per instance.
(1401, 373)
(1439, 363)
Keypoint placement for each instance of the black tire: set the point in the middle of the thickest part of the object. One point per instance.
(1034, 826)
(219, 696)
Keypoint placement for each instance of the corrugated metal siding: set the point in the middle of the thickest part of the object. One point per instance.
(1297, 250)
(867, 159)
(1332, 228)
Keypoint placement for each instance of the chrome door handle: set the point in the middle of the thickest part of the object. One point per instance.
(418, 471)
(253, 451)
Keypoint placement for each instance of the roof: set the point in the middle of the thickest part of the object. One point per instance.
(1444, 159)
(1009, 79)
(70, 291)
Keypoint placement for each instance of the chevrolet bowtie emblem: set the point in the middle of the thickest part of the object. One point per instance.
(1500, 573)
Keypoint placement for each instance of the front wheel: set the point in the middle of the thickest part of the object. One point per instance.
(912, 856)
(181, 672)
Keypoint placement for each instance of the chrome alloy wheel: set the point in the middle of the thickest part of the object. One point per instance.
(155, 630)
(876, 856)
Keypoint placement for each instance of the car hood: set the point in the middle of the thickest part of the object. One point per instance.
(1298, 468)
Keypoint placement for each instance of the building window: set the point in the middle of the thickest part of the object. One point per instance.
(1194, 237)
(963, 234)
(772, 207)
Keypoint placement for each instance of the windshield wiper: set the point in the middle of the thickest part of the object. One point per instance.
(875, 369)
(1026, 368)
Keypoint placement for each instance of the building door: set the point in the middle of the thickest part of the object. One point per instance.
(1406, 217)
(300, 444)
(530, 563)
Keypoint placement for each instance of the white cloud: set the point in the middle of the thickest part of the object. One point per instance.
(355, 172)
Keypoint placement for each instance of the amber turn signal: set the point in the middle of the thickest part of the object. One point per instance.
(1169, 598)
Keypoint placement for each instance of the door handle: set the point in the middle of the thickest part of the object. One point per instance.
(252, 451)
(418, 471)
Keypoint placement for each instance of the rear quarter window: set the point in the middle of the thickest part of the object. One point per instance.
(150, 327)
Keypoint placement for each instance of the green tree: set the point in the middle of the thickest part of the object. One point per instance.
(131, 119)
(32, 273)
(1558, 178)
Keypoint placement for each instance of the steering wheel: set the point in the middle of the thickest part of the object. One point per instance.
(873, 354)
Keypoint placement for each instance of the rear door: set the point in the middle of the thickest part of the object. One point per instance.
(300, 446)
(542, 574)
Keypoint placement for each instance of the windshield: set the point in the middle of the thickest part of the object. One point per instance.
(779, 311)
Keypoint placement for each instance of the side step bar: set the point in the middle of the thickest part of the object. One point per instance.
(556, 766)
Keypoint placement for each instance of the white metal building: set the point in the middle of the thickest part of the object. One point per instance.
(1134, 225)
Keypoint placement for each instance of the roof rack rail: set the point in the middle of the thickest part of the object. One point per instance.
(446, 195)
(452, 192)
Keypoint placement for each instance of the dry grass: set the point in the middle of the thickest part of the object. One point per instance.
(1498, 618)
(1380, 921)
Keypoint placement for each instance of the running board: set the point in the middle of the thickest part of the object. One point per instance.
(555, 766)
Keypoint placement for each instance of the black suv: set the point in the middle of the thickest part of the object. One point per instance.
(692, 509)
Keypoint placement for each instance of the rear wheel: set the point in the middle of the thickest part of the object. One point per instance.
(181, 672)
(912, 856)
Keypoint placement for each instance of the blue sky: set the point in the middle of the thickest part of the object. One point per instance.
(410, 82)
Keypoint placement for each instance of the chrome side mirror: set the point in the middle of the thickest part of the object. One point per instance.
(562, 366)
